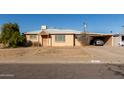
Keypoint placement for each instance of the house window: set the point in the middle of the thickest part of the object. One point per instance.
(60, 38)
(33, 36)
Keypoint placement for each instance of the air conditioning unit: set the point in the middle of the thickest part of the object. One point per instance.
(43, 27)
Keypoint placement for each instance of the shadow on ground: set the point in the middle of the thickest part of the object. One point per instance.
(61, 71)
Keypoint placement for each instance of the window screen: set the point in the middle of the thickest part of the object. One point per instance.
(60, 38)
(33, 36)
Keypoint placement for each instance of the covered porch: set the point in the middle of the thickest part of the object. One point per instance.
(44, 39)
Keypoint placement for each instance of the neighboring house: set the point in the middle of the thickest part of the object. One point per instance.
(118, 39)
(63, 37)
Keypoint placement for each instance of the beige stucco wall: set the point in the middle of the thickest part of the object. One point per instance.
(69, 41)
(109, 41)
(77, 43)
(49, 41)
(34, 40)
(116, 41)
(29, 39)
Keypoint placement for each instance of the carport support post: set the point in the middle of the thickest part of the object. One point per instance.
(87, 39)
(48, 39)
(112, 41)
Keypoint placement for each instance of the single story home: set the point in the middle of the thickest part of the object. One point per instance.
(63, 37)
(53, 37)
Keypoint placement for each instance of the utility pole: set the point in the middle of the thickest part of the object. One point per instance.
(85, 31)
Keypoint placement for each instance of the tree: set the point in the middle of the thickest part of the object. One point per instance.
(83, 38)
(22, 40)
(10, 35)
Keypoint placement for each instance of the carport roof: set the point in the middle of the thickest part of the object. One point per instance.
(99, 34)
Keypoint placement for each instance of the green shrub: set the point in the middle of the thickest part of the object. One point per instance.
(10, 35)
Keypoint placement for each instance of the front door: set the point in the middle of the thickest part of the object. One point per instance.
(45, 40)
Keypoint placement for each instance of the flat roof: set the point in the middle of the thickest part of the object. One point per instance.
(66, 31)
(55, 31)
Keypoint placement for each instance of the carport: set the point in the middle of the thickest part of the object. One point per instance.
(106, 38)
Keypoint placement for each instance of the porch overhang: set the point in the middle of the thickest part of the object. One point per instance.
(44, 33)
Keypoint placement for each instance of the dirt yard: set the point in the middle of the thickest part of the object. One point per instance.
(63, 55)
(61, 62)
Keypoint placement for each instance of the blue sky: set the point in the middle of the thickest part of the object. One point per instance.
(102, 23)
